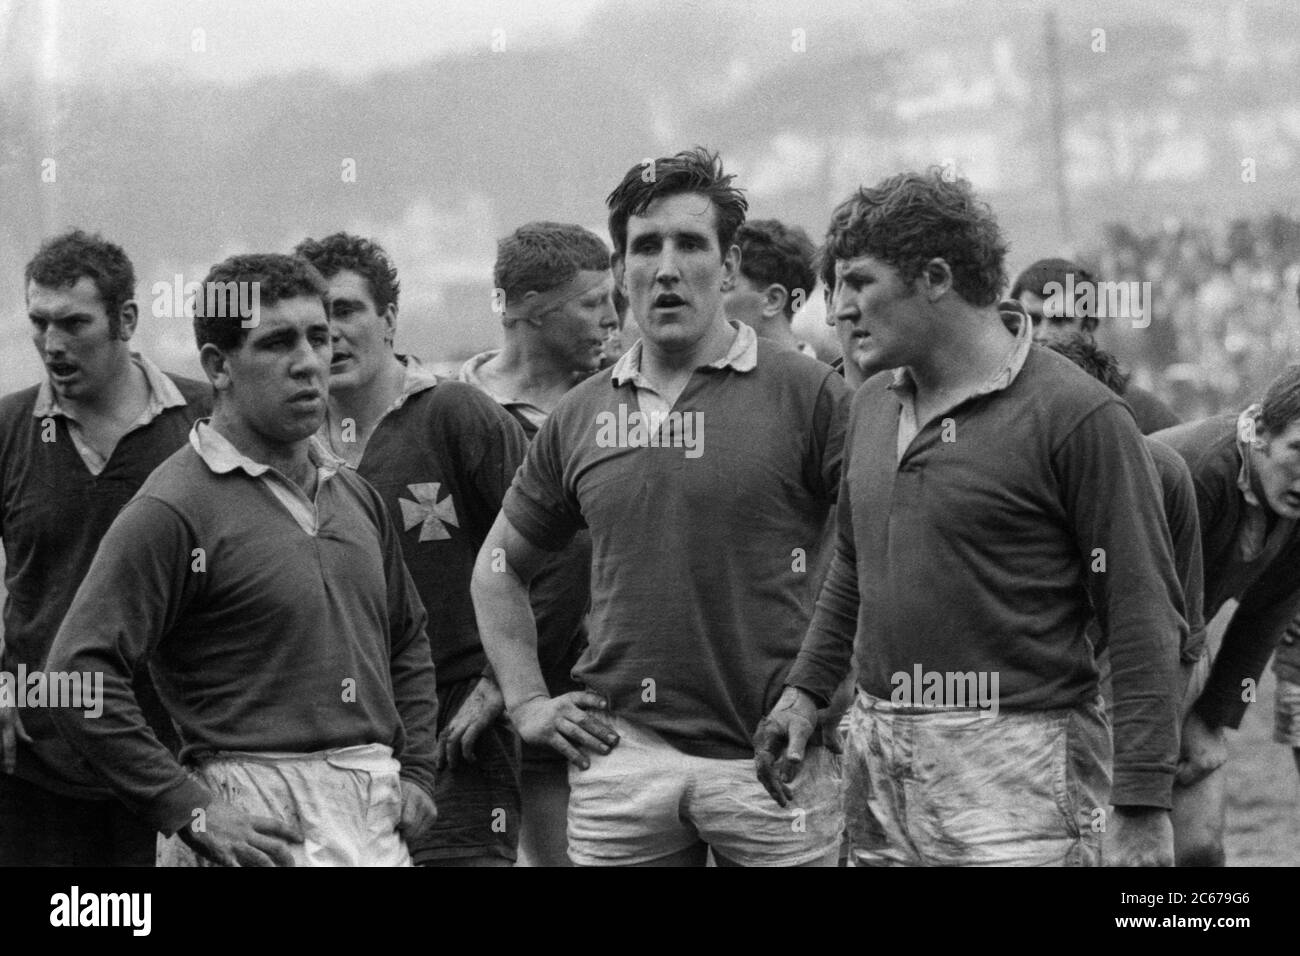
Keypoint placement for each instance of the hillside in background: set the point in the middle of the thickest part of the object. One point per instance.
(453, 153)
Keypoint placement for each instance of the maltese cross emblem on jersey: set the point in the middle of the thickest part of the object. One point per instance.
(432, 515)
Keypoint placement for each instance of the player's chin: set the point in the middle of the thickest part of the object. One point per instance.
(1288, 506)
(869, 357)
(303, 425)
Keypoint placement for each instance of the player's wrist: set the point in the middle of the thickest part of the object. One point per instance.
(799, 699)
(513, 707)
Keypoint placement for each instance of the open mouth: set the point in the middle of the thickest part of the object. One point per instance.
(339, 358)
(669, 300)
(61, 369)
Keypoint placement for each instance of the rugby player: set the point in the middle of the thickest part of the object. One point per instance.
(554, 275)
(704, 525)
(73, 450)
(1246, 468)
(993, 495)
(774, 280)
(262, 583)
(1053, 322)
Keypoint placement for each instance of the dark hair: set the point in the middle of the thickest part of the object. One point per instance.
(1042, 273)
(540, 256)
(1100, 364)
(824, 264)
(277, 277)
(63, 260)
(365, 257)
(911, 218)
(1281, 405)
(695, 170)
(771, 251)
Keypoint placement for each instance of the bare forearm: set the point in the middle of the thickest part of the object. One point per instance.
(508, 631)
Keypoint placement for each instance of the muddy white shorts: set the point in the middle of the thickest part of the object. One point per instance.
(347, 803)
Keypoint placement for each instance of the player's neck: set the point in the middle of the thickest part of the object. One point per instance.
(778, 331)
(663, 365)
(291, 459)
(368, 403)
(968, 349)
(528, 371)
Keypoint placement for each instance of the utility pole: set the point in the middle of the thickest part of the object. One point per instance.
(1056, 119)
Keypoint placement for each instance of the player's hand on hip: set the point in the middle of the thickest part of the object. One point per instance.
(780, 741)
(228, 836)
(570, 723)
(1203, 750)
(418, 811)
(11, 731)
(475, 715)
(1140, 836)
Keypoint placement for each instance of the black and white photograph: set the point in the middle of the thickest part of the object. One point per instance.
(702, 433)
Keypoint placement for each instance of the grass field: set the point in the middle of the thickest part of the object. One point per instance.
(1263, 791)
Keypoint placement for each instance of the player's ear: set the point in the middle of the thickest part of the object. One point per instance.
(775, 296)
(216, 366)
(935, 279)
(390, 323)
(619, 268)
(731, 265)
(527, 303)
(126, 320)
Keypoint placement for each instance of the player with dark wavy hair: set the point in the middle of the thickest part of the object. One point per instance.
(993, 496)
(365, 257)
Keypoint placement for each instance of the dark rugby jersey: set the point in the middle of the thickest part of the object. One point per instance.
(702, 566)
(1265, 582)
(977, 554)
(442, 458)
(283, 639)
(53, 514)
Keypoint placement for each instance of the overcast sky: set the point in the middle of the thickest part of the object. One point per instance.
(96, 39)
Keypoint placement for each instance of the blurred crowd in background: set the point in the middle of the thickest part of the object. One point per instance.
(1224, 307)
